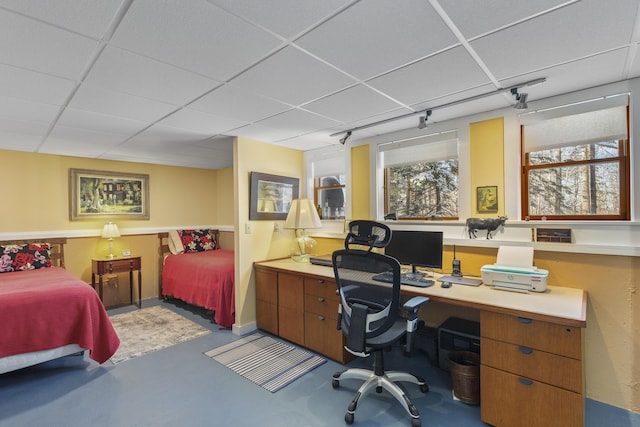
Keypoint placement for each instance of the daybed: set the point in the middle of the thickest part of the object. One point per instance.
(194, 269)
(45, 311)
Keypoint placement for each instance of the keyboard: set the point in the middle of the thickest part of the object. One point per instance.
(460, 280)
(405, 279)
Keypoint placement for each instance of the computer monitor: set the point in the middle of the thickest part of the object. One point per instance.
(416, 248)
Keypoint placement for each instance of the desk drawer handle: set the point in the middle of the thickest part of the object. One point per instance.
(321, 299)
(525, 381)
(321, 281)
(524, 320)
(320, 317)
(525, 350)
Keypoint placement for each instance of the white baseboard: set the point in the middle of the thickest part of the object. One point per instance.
(243, 329)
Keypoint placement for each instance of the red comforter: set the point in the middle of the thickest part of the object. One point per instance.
(205, 279)
(48, 308)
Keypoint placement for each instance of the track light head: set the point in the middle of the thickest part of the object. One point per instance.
(344, 139)
(521, 99)
(422, 123)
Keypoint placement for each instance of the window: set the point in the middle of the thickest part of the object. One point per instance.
(421, 177)
(577, 166)
(329, 182)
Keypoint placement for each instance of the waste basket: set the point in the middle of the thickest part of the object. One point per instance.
(465, 375)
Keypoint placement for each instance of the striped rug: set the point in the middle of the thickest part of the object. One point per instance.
(267, 362)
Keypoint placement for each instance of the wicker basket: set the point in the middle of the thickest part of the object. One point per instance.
(465, 374)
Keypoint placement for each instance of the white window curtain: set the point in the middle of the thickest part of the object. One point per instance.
(598, 120)
(431, 148)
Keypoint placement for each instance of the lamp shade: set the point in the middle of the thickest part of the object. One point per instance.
(302, 215)
(110, 230)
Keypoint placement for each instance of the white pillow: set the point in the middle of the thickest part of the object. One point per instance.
(175, 243)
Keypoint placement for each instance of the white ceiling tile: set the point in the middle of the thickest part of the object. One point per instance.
(200, 122)
(433, 77)
(238, 104)
(298, 122)
(127, 72)
(79, 142)
(88, 120)
(564, 35)
(263, 133)
(32, 86)
(292, 77)
(17, 109)
(193, 34)
(352, 104)
(40, 47)
(88, 17)
(284, 17)
(104, 101)
(167, 134)
(310, 141)
(21, 135)
(474, 18)
(374, 36)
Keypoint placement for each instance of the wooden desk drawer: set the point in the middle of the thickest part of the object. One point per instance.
(539, 365)
(320, 287)
(327, 307)
(539, 335)
(116, 265)
(510, 400)
(321, 335)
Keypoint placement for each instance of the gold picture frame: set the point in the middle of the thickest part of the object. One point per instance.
(487, 199)
(101, 194)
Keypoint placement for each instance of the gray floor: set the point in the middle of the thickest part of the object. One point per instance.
(179, 386)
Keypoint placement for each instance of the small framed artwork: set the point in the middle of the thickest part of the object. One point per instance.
(101, 194)
(487, 199)
(271, 196)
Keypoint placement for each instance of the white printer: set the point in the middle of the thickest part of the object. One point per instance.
(514, 271)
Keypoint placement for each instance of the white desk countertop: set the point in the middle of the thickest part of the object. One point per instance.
(568, 305)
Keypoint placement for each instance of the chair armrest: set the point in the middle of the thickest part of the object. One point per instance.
(411, 307)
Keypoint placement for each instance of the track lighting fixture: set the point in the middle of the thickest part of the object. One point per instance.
(423, 120)
(521, 99)
(343, 140)
(521, 104)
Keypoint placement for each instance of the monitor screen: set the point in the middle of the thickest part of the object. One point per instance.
(416, 248)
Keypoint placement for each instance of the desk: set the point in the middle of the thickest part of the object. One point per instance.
(531, 344)
(104, 266)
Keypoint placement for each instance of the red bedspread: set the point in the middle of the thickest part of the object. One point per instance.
(48, 308)
(205, 279)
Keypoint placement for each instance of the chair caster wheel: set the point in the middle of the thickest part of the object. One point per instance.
(424, 388)
(335, 383)
(348, 418)
(415, 422)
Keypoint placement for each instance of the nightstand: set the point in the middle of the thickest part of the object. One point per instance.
(102, 266)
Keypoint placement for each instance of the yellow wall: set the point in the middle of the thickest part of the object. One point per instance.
(486, 150)
(263, 242)
(360, 192)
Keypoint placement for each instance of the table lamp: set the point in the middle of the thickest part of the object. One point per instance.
(301, 216)
(109, 231)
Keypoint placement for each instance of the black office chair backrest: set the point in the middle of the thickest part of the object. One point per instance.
(367, 233)
(369, 307)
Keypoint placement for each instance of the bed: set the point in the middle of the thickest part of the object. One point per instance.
(45, 311)
(194, 269)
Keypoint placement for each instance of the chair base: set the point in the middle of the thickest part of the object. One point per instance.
(382, 381)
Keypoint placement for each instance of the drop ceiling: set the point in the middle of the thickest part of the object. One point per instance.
(172, 81)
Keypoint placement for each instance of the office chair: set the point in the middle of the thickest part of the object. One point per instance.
(369, 315)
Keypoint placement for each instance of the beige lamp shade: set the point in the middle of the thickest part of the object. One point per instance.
(301, 216)
(110, 231)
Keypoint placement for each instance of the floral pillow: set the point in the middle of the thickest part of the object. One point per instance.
(198, 240)
(26, 256)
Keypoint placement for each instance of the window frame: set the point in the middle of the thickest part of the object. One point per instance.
(623, 160)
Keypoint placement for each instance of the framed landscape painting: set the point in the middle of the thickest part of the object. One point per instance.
(101, 194)
(271, 196)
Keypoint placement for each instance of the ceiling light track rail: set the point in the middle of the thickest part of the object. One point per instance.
(427, 112)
